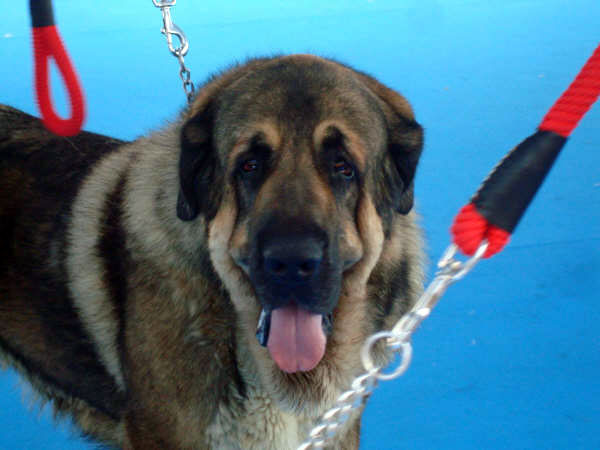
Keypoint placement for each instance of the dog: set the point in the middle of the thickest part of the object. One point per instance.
(210, 285)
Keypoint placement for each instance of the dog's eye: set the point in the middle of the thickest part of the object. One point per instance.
(250, 165)
(344, 168)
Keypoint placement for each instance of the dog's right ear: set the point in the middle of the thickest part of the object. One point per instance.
(197, 166)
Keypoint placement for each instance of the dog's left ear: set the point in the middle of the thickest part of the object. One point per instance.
(405, 144)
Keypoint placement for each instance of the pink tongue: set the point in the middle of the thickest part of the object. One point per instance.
(296, 338)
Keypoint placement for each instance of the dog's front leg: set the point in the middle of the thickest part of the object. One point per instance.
(178, 366)
(142, 433)
(155, 431)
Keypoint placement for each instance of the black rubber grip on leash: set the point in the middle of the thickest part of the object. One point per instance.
(41, 13)
(510, 188)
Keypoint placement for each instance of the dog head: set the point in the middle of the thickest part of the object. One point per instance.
(301, 167)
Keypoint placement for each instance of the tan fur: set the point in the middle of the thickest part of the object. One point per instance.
(89, 294)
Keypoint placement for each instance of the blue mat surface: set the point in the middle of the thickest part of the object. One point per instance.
(511, 357)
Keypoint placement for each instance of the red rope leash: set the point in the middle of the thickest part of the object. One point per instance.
(47, 44)
(564, 116)
(496, 208)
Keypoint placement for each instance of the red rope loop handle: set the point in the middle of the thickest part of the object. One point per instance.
(47, 44)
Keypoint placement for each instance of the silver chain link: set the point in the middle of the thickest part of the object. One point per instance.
(397, 341)
(169, 30)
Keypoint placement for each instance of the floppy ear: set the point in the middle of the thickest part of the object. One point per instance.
(405, 143)
(405, 146)
(197, 167)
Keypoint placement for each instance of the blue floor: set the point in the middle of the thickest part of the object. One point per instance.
(511, 357)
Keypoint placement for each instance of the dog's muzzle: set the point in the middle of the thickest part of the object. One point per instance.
(297, 279)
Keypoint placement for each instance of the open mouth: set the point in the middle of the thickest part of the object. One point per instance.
(295, 337)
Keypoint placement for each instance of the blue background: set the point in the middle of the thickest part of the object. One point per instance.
(511, 356)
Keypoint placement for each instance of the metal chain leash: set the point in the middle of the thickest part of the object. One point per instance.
(169, 30)
(398, 341)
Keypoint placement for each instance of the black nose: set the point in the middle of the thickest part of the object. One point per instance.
(292, 259)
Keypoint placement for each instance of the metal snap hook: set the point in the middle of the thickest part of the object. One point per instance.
(170, 29)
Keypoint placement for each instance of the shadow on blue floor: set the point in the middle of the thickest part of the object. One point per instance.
(511, 357)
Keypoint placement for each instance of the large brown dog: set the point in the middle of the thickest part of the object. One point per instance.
(134, 276)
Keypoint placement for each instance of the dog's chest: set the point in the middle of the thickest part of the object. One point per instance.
(257, 424)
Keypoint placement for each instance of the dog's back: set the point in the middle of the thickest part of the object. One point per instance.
(41, 332)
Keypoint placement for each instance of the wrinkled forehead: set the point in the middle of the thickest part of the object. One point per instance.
(295, 100)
